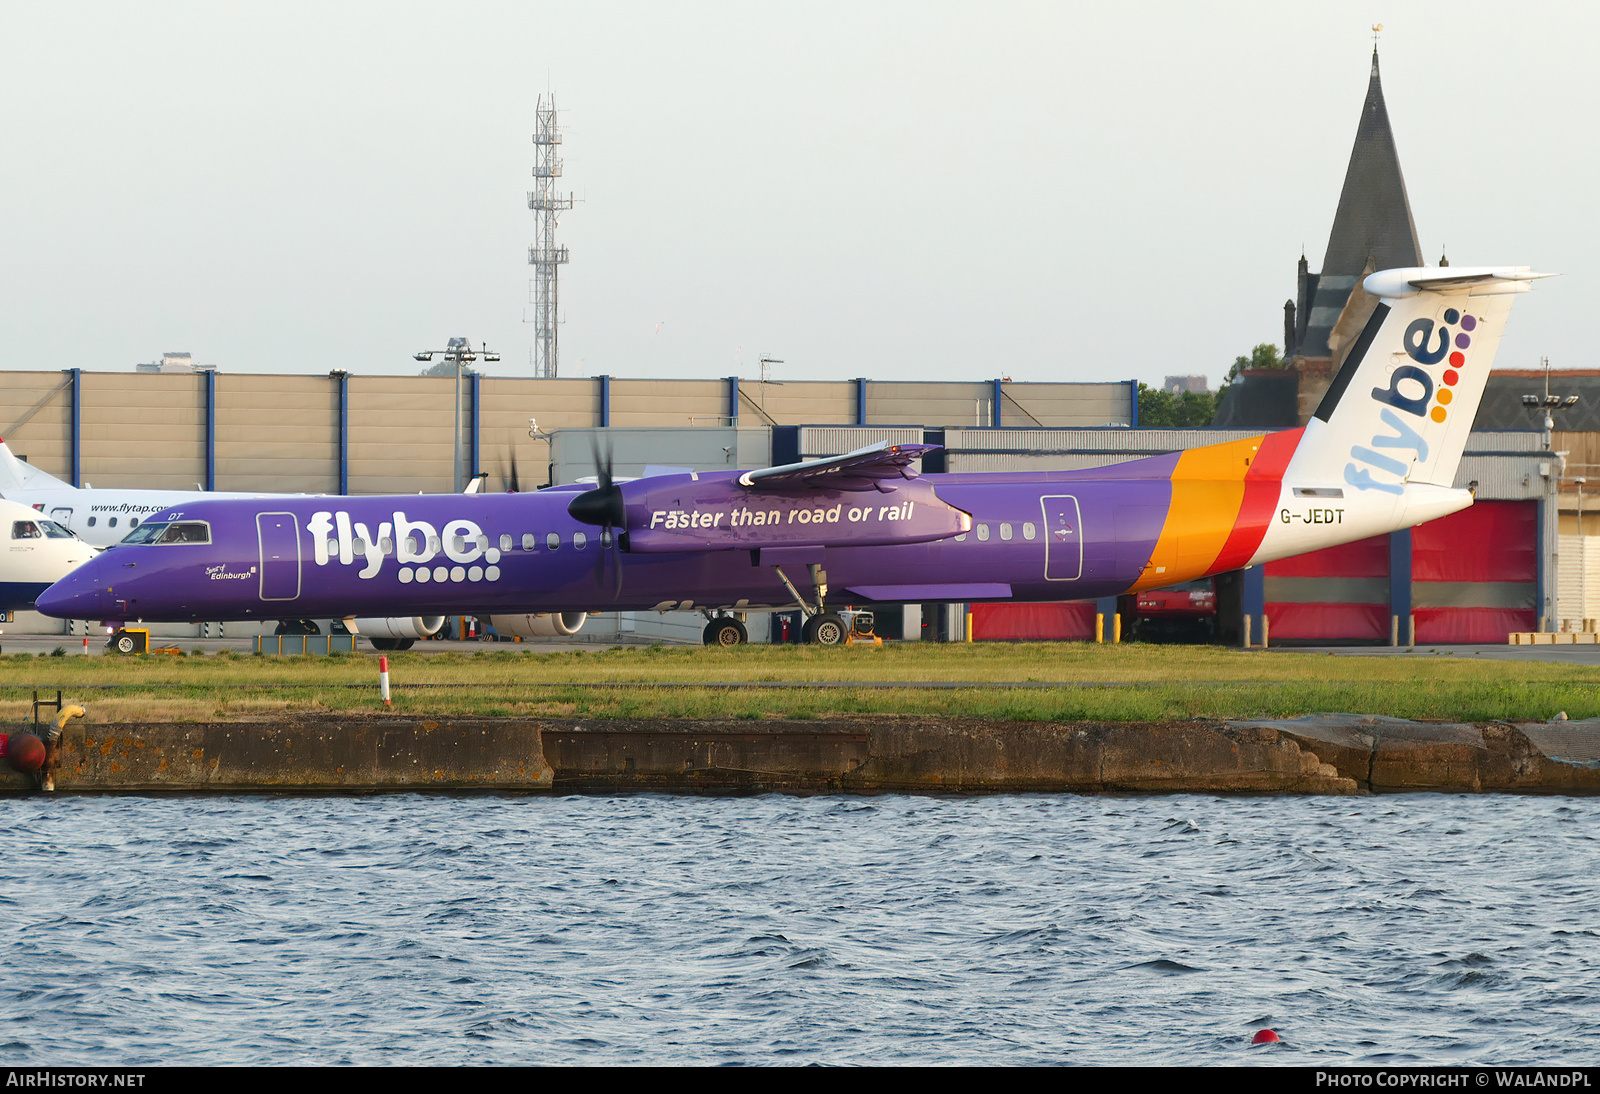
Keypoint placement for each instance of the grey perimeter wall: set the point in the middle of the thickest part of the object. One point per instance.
(396, 434)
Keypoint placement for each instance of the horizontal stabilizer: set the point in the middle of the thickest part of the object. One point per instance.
(1478, 280)
(869, 468)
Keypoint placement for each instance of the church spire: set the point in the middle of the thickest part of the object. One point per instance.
(1374, 218)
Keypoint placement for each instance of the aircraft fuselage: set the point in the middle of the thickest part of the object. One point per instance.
(1038, 536)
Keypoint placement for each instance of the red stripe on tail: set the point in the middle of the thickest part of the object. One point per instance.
(1262, 484)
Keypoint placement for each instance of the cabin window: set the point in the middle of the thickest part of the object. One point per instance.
(579, 541)
(413, 547)
(483, 542)
(1005, 532)
(983, 533)
(553, 540)
(386, 545)
(359, 546)
(24, 529)
(112, 522)
(528, 541)
(333, 548)
(189, 531)
(433, 545)
(505, 543)
(1028, 530)
(962, 538)
(133, 522)
(458, 544)
(605, 537)
(92, 520)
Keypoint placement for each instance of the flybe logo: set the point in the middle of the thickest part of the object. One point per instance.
(1412, 394)
(457, 552)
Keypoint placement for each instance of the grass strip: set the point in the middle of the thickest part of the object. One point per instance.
(1036, 682)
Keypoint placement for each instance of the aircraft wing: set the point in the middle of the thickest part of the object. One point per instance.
(867, 468)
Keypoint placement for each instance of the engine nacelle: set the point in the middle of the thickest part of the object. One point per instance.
(555, 625)
(417, 626)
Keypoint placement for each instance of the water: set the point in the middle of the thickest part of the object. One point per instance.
(846, 930)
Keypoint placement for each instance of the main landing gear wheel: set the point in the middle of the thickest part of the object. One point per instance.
(824, 630)
(725, 631)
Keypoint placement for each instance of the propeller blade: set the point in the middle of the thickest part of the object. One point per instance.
(603, 506)
(608, 557)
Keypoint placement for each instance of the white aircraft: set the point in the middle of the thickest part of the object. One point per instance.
(37, 552)
(98, 517)
(105, 517)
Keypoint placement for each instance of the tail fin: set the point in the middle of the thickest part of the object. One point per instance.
(18, 476)
(1401, 407)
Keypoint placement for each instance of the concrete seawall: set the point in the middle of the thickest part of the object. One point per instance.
(320, 754)
(1322, 754)
(1392, 754)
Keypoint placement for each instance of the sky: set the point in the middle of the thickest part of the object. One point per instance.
(923, 190)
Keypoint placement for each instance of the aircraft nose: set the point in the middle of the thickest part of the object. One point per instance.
(82, 594)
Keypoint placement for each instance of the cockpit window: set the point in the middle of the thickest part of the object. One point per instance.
(187, 531)
(146, 533)
(161, 534)
(38, 529)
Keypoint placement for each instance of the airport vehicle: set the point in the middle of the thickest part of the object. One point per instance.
(1380, 454)
(37, 553)
(861, 631)
(1186, 611)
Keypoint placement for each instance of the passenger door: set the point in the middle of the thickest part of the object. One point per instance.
(278, 535)
(1063, 537)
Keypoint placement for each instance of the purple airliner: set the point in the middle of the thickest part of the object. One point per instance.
(1380, 454)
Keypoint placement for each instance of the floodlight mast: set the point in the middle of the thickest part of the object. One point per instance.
(459, 352)
(1557, 463)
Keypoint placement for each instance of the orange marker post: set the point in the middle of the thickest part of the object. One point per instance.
(383, 682)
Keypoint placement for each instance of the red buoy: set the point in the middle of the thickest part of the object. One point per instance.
(25, 752)
(1264, 1037)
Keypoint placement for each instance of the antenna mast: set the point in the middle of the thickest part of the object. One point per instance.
(544, 255)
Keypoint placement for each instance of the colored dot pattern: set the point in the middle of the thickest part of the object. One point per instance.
(1458, 361)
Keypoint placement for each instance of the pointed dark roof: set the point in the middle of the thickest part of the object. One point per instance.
(1373, 221)
(1374, 218)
